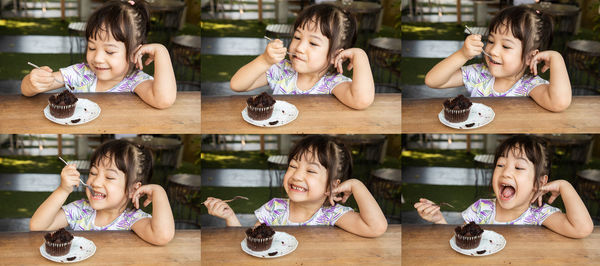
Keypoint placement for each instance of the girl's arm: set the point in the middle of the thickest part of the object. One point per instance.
(370, 221)
(429, 211)
(359, 93)
(252, 75)
(218, 208)
(159, 229)
(41, 80)
(555, 96)
(50, 216)
(161, 92)
(447, 73)
(576, 223)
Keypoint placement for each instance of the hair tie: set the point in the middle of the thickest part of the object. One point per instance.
(131, 2)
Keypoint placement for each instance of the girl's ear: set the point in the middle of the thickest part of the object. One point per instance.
(531, 55)
(543, 180)
(132, 59)
(332, 59)
(134, 188)
(333, 186)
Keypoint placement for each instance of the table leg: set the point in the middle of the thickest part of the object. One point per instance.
(62, 9)
(458, 16)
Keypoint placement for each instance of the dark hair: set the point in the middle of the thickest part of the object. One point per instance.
(332, 154)
(126, 22)
(132, 159)
(534, 148)
(335, 23)
(532, 27)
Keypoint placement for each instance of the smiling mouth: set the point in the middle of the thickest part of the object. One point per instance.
(97, 195)
(102, 68)
(494, 62)
(507, 191)
(297, 188)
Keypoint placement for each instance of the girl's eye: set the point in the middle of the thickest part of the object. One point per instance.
(93, 173)
(296, 37)
(293, 166)
(312, 171)
(505, 47)
(91, 49)
(490, 41)
(313, 44)
(110, 53)
(499, 165)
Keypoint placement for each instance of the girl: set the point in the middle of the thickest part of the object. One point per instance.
(323, 37)
(116, 36)
(313, 182)
(520, 178)
(519, 37)
(118, 172)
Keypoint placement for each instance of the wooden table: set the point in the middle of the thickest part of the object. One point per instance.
(525, 245)
(317, 245)
(112, 247)
(317, 114)
(120, 113)
(512, 115)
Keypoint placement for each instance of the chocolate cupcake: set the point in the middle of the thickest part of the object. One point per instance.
(457, 109)
(62, 105)
(259, 238)
(468, 235)
(58, 243)
(260, 107)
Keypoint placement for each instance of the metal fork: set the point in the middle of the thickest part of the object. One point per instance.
(471, 32)
(34, 65)
(83, 183)
(272, 40)
(230, 200)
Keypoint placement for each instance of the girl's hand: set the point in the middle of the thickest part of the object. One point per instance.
(147, 190)
(544, 57)
(275, 52)
(473, 46)
(344, 55)
(69, 177)
(147, 49)
(429, 211)
(345, 188)
(42, 78)
(216, 207)
(552, 187)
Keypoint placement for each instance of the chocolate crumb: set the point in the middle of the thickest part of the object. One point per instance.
(71, 258)
(481, 252)
(273, 253)
(80, 247)
(85, 109)
(75, 120)
(491, 241)
(283, 111)
(273, 122)
(282, 243)
(479, 114)
(470, 125)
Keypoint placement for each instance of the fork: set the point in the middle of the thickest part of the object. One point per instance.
(230, 200)
(34, 65)
(444, 203)
(272, 40)
(471, 32)
(83, 183)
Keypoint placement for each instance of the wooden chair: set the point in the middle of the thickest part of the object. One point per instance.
(386, 186)
(385, 56)
(583, 65)
(185, 51)
(182, 189)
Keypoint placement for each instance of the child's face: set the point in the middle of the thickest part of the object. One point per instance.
(306, 180)
(109, 185)
(107, 57)
(513, 180)
(506, 52)
(311, 49)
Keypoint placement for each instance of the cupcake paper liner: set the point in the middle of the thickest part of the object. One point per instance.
(455, 116)
(467, 242)
(58, 249)
(259, 244)
(260, 113)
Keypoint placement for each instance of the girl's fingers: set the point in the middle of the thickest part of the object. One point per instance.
(147, 201)
(552, 198)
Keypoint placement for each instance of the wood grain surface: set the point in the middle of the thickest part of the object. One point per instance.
(112, 247)
(317, 245)
(120, 113)
(317, 114)
(513, 115)
(525, 245)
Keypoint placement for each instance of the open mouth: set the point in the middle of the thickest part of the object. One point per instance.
(297, 188)
(97, 195)
(507, 191)
(102, 68)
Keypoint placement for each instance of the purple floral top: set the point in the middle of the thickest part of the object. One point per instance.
(81, 217)
(277, 212)
(282, 79)
(480, 83)
(82, 79)
(483, 211)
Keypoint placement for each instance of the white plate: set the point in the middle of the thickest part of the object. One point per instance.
(479, 116)
(85, 111)
(283, 113)
(283, 244)
(491, 242)
(81, 249)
